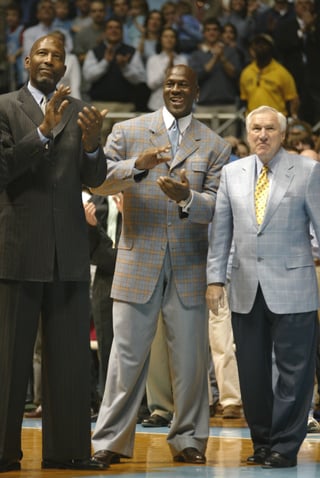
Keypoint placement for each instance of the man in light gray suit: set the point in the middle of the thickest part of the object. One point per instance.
(273, 293)
(168, 202)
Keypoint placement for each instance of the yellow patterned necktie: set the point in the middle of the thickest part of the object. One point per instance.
(261, 194)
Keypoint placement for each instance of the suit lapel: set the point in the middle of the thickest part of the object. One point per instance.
(29, 106)
(158, 133)
(280, 184)
(249, 171)
(33, 111)
(189, 143)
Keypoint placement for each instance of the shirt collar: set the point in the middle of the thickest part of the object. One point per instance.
(37, 94)
(183, 123)
(271, 165)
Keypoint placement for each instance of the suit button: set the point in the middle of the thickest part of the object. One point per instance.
(260, 259)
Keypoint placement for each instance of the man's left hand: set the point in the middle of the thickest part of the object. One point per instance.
(90, 121)
(176, 190)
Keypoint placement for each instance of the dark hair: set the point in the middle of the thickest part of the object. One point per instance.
(212, 21)
(15, 7)
(149, 15)
(177, 45)
(233, 28)
(113, 19)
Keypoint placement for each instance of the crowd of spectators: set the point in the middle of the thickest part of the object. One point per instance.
(218, 39)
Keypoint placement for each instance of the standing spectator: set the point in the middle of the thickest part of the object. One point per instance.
(298, 44)
(46, 156)
(168, 203)
(14, 46)
(159, 64)
(113, 69)
(265, 204)
(218, 68)
(266, 82)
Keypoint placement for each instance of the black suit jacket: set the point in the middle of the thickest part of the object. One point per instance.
(42, 224)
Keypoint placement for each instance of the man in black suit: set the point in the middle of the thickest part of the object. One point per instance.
(45, 157)
(104, 219)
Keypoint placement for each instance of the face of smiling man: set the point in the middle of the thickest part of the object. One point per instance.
(264, 135)
(180, 90)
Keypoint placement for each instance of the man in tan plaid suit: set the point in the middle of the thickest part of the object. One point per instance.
(161, 266)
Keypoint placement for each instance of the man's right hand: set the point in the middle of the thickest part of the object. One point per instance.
(152, 157)
(215, 297)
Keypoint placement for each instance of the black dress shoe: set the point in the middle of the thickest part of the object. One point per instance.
(106, 457)
(155, 421)
(89, 464)
(8, 465)
(276, 460)
(190, 455)
(259, 456)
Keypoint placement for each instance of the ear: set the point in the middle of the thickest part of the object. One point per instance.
(27, 62)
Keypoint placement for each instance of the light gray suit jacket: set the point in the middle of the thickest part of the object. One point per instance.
(277, 254)
(151, 221)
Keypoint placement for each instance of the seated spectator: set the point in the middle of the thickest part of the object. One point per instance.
(45, 15)
(151, 35)
(218, 67)
(63, 18)
(169, 13)
(136, 18)
(188, 27)
(271, 20)
(298, 43)
(112, 70)
(89, 37)
(158, 65)
(120, 9)
(82, 18)
(229, 37)
(243, 15)
(242, 149)
(72, 76)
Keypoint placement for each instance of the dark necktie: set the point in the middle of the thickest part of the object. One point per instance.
(43, 104)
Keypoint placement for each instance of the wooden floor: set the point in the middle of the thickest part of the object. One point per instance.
(229, 445)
